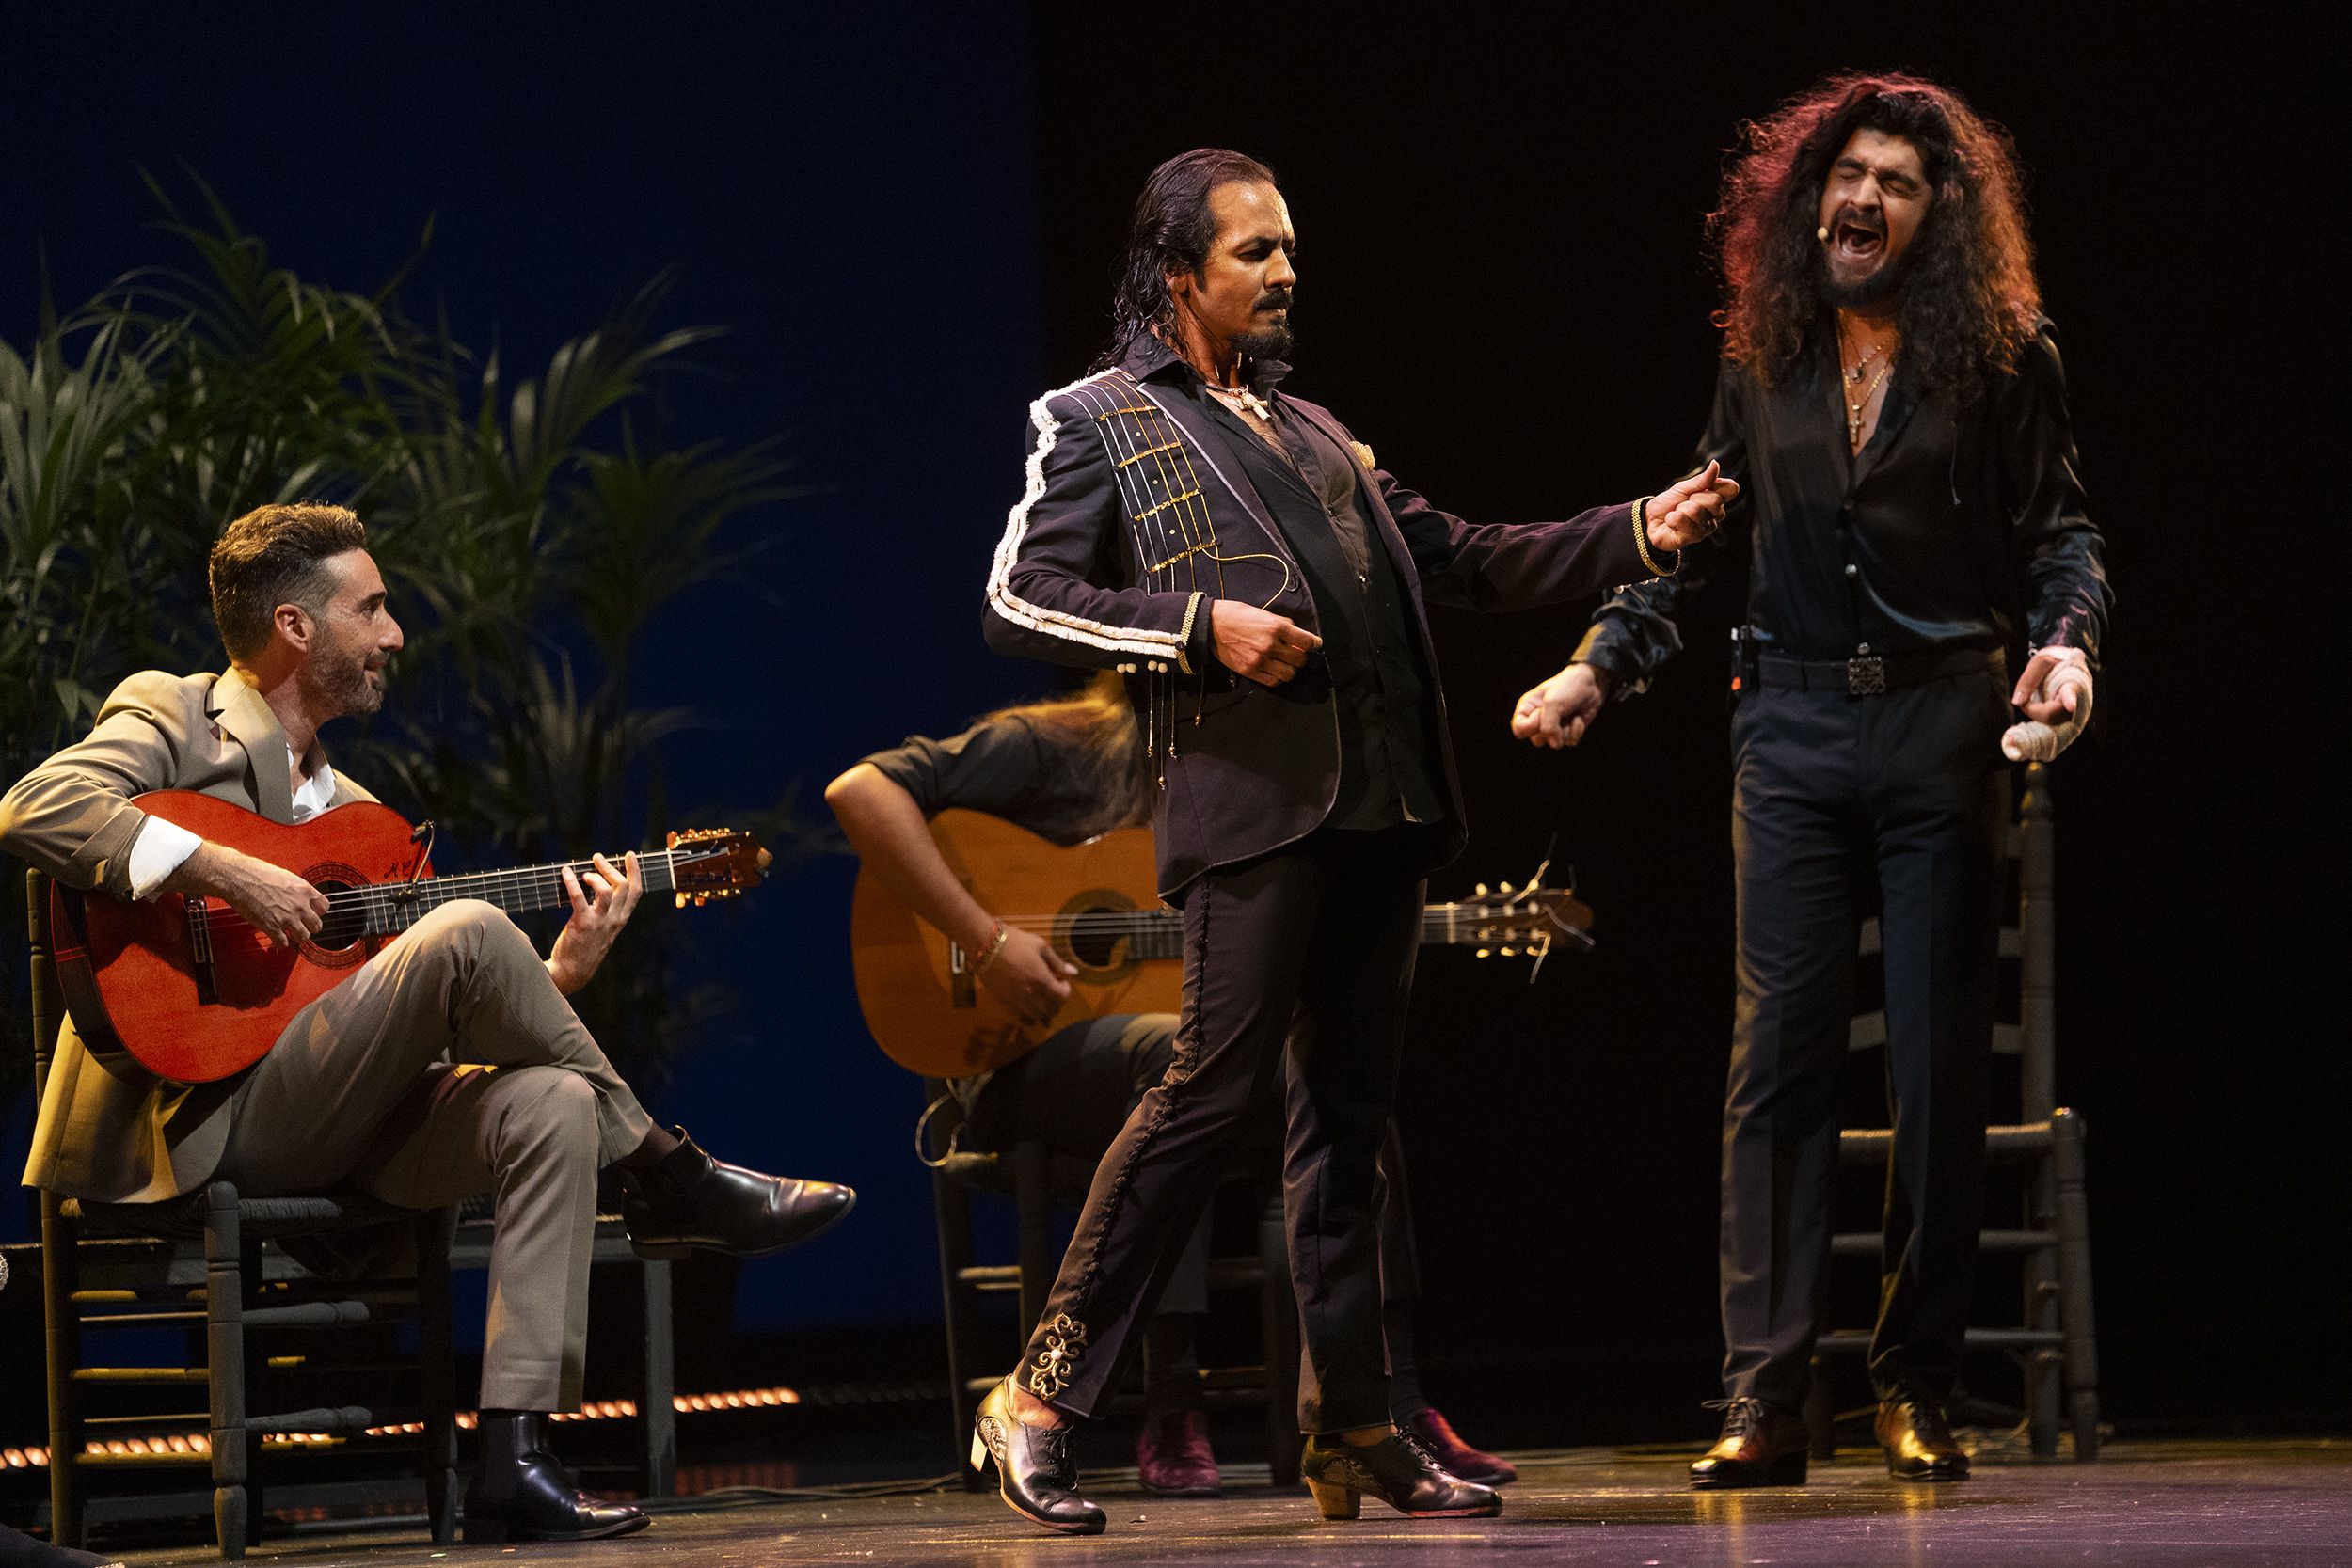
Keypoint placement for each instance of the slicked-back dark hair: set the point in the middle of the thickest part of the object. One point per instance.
(276, 555)
(1969, 304)
(1172, 230)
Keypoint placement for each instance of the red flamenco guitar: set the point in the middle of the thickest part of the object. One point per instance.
(191, 990)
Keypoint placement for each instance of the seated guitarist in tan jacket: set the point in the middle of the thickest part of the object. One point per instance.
(361, 1090)
(1068, 770)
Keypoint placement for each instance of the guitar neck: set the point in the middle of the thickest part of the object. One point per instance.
(396, 905)
(1160, 933)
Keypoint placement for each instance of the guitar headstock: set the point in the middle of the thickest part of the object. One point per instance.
(714, 863)
(1500, 922)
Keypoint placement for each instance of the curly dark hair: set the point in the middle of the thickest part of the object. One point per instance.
(1173, 229)
(1970, 304)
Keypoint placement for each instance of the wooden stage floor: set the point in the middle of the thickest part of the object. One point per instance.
(2144, 1504)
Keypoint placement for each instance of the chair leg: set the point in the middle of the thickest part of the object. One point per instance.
(1034, 1199)
(1278, 1311)
(660, 1414)
(2076, 1318)
(1821, 1415)
(224, 1348)
(60, 1277)
(952, 1207)
(438, 1370)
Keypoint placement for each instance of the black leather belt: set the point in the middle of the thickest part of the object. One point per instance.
(1871, 674)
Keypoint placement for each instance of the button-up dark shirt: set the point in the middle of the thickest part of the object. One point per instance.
(1388, 761)
(1953, 527)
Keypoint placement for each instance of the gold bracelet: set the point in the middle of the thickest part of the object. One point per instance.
(1641, 541)
(995, 950)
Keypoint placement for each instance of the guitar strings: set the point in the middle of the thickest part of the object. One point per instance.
(372, 897)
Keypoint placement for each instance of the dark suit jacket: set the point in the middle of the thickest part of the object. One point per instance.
(1136, 515)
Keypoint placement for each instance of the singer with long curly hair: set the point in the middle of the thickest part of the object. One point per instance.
(1891, 403)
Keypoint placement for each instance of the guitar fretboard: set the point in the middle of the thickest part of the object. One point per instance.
(1160, 933)
(396, 905)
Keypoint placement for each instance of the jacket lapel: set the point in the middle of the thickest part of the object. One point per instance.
(238, 709)
(1376, 505)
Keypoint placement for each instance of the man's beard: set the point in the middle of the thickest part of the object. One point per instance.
(1872, 293)
(343, 688)
(1273, 343)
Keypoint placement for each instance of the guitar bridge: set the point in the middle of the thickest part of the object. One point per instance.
(200, 949)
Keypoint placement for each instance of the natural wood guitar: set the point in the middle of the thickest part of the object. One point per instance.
(191, 990)
(1094, 902)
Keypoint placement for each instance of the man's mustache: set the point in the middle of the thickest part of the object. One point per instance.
(1278, 299)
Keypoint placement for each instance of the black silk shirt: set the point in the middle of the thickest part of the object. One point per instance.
(1954, 528)
(1389, 767)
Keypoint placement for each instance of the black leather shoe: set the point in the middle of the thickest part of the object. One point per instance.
(687, 1200)
(1398, 1471)
(1918, 1444)
(1033, 1473)
(522, 1493)
(1437, 1436)
(1761, 1444)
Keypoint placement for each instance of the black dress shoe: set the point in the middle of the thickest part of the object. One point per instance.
(1398, 1471)
(687, 1200)
(1918, 1444)
(1033, 1469)
(522, 1493)
(1437, 1436)
(1761, 1444)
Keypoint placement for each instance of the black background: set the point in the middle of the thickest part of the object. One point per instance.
(909, 214)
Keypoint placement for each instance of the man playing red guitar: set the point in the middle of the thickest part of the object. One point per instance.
(365, 1089)
(1067, 771)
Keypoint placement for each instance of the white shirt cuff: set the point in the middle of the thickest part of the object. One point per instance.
(161, 848)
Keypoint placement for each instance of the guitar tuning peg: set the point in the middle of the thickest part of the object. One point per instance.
(1484, 953)
(682, 900)
(1479, 892)
(1509, 951)
(1505, 889)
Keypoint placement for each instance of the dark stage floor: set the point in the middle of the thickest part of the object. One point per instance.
(2147, 1503)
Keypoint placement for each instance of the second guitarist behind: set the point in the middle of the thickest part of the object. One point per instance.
(1068, 770)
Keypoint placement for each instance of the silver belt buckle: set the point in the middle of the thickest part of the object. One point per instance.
(1865, 677)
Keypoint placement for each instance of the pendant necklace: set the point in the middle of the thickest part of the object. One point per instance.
(1853, 378)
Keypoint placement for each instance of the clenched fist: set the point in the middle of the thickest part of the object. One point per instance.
(1688, 510)
(1258, 645)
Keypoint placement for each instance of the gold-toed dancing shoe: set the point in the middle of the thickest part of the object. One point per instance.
(1035, 1475)
(1396, 1470)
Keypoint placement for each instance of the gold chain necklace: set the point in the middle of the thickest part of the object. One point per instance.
(1854, 377)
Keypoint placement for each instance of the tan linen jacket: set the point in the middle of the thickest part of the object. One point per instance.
(109, 1130)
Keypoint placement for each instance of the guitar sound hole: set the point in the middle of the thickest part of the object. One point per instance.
(1095, 938)
(346, 921)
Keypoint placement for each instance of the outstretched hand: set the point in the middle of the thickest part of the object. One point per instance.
(1689, 509)
(2054, 694)
(1559, 711)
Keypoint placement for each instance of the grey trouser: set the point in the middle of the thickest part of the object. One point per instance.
(448, 1065)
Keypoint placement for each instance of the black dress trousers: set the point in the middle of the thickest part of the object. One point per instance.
(1327, 929)
(1838, 803)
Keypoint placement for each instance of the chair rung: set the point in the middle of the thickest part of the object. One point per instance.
(1853, 1341)
(990, 1276)
(1868, 1145)
(309, 1314)
(143, 1320)
(1868, 1244)
(91, 1298)
(142, 1374)
(110, 1460)
(177, 1418)
(348, 1417)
